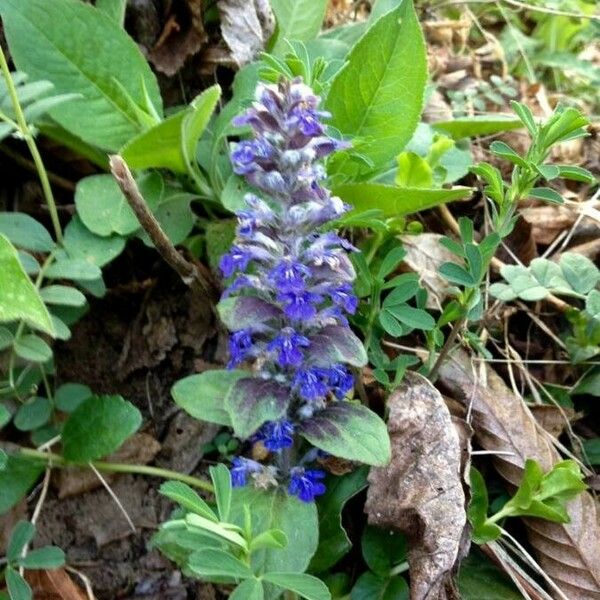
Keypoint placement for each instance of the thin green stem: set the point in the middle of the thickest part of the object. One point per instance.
(58, 461)
(33, 149)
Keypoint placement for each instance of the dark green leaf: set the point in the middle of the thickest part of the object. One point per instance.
(478, 510)
(579, 271)
(456, 274)
(81, 243)
(69, 396)
(372, 587)
(382, 549)
(503, 150)
(25, 232)
(33, 414)
(33, 348)
(49, 557)
(62, 295)
(17, 477)
(416, 318)
(73, 268)
(475, 126)
(546, 194)
(18, 588)
(21, 535)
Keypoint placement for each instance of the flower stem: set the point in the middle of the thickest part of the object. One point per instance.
(58, 461)
(33, 149)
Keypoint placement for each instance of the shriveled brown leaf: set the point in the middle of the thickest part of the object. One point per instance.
(246, 26)
(182, 36)
(139, 449)
(54, 585)
(568, 553)
(420, 491)
(548, 221)
(424, 255)
(553, 419)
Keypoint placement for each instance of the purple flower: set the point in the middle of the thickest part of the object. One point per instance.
(288, 345)
(276, 435)
(340, 380)
(289, 276)
(236, 259)
(240, 343)
(300, 306)
(241, 468)
(247, 155)
(343, 296)
(306, 484)
(312, 383)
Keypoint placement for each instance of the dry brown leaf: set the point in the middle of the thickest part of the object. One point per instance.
(420, 492)
(246, 26)
(424, 255)
(139, 449)
(54, 585)
(553, 419)
(548, 221)
(568, 553)
(182, 36)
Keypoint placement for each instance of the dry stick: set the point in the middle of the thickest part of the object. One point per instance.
(189, 273)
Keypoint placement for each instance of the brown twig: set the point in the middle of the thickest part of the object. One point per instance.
(189, 273)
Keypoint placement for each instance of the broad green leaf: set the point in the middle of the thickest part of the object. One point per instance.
(251, 402)
(272, 538)
(25, 232)
(221, 478)
(203, 395)
(503, 150)
(18, 588)
(113, 78)
(98, 427)
(383, 549)
(579, 271)
(186, 497)
(304, 585)
(49, 557)
(113, 9)
(69, 396)
(219, 236)
(336, 344)
(297, 20)
(33, 348)
(575, 174)
(251, 589)
(465, 127)
(81, 243)
(377, 96)
(546, 194)
(19, 299)
(62, 295)
(218, 563)
(373, 587)
(219, 531)
(21, 535)
(349, 430)
(333, 539)
(33, 414)
(30, 265)
(232, 196)
(75, 269)
(416, 318)
(158, 147)
(5, 417)
(390, 324)
(395, 201)
(456, 274)
(590, 384)
(175, 216)
(274, 508)
(17, 477)
(592, 447)
(413, 171)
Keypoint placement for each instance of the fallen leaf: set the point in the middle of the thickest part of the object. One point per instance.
(420, 492)
(520, 244)
(54, 585)
(425, 255)
(182, 36)
(139, 449)
(553, 419)
(246, 27)
(548, 221)
(568, 553)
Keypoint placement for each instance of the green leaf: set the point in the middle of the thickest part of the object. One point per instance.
(575, 174)
(297, 20)
(456, 274)
(394, 201)
(69, 396)
(18, 588)
(349, 431)
(62, 295)
(17, 477)
(390, 262)
(390, 324)
(33, 414)
(73, 268)
(333, 539)
(232, 196)
(244, 311)
(80, 243)
(218, 563)
(275, 509)
(251, 589)
(221, 478)
(592, 447)
(113, 79)
(19, 299)
(335, 344)
(526, 117)
(113, 9)
(477, 512)
(306, 586)
(590, 384)
(382, 549)
(372, 587)
(416, 318)
(5, 417)
(219, 236)
(413, 171)
(218, 531)
(21, 535)
(175, 216)
(186, 497)
(546, 194)
(272, 538)
(33, 348)
(25, 232)
(475, 126)
(390, 84)
(251, 402)
(49, 557)
(503, 150)
(579, 271)
(493, 177)
(203, 395)
(98, 427)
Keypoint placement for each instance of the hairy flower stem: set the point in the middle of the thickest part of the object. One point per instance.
(56, 460)
(33, 149)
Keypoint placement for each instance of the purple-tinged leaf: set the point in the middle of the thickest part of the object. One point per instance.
(337, 344)
(252, 402)
(245, 311)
